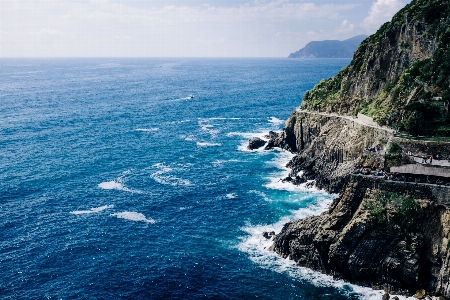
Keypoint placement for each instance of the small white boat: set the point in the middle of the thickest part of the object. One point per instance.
(191, 96)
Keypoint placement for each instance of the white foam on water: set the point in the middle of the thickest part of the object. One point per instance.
(219, 162)
(177, 122)
(256, 246)
(206, 144)
(275, 121)
(118, 184)
(147, 129)
(262, 194)
(92, 210)
(161, 176)
(275, 180)
(206, 127)
(132, 216)
(111, 185)
(185, 207)
(231, 196)
(249, 135)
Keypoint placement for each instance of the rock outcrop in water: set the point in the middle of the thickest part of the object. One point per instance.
(377, 233)
(255, 143)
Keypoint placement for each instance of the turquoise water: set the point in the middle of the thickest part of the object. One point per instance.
(115, 183)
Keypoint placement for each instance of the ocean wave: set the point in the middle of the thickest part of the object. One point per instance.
(275, 121)
(206, 144)
(185, 207)
(92, 210)
(133, 216)
(219, 162)
(247, 135)
(231, 196)
(207, 128)
(262, 194)
(147, 129)
(161, 176)
(275, 179)
(118, 184)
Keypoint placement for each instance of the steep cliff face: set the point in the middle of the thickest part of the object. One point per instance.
(329, 147)
(384, 234)
(401, 249)
(400, 75)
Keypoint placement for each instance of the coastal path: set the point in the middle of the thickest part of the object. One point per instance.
(360, 119)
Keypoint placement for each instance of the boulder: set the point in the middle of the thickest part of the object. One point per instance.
(272, 136)
(255, 143)
(268, 235)
(420, 294)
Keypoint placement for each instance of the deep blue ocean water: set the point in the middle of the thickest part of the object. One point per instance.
(115, 184)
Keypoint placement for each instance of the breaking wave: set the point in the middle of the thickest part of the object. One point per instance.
(133, 216)
(92, 210)
(161, 176)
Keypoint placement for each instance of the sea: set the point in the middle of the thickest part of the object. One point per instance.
(130, 178)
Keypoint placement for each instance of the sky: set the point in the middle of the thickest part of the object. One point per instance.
(182, 28)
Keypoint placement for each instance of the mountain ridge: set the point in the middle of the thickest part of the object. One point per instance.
(329, 48)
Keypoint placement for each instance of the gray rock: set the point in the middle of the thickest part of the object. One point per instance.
(255, 143)
(268, 235)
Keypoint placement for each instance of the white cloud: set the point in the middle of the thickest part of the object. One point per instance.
(109, 28)
(346, 26)
(381, 12)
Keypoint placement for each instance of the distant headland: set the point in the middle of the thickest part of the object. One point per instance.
(329, 48)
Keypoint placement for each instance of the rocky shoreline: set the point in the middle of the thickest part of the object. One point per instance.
(347, 241)
(380, 233)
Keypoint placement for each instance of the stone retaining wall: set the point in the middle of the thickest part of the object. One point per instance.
(436, 193)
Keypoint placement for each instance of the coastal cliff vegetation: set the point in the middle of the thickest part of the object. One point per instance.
(385, 230)
(400, 75)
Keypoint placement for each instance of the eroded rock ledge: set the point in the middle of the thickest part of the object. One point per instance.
(328, 147)
(348, 243)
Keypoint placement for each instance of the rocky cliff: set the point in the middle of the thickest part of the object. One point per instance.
(376, 233)
(380, 234)
(328, 147)
(400, 75)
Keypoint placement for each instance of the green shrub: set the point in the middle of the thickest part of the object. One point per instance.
(394, 148)
(400, 211)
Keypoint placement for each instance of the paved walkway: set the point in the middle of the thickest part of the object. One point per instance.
(418, 169)
(350, 118)
(403, 182)
(442, 163)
